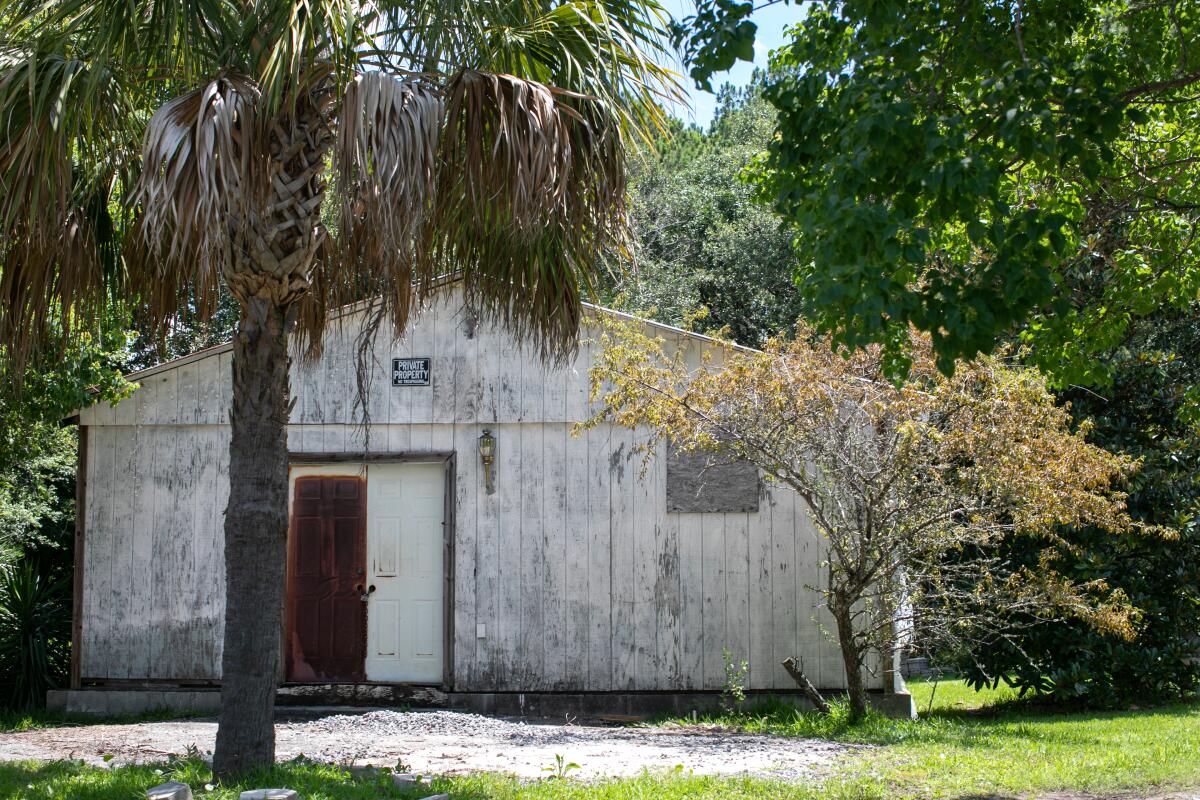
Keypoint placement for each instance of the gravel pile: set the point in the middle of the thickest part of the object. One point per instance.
(448, 742)
(421, 723)
(358, 736)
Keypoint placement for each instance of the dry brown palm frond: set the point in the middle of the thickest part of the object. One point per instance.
(507, 152)
(532, 192)
(38, 280)
(196, 184)
(515, 186)
(51, 264)
(385, 166)
(385, 161)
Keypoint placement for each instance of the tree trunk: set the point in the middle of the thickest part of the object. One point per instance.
(270, 260)
(255, 541)
(856, 687)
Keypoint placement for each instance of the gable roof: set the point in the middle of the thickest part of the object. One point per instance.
(345, 311)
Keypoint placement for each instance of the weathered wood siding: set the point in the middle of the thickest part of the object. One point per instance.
(579, 576)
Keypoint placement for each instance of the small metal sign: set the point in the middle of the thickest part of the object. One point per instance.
(410, 372)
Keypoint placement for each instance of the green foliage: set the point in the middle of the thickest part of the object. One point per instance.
(35, 633)
(37, 482)
(189, 331)
(737, 673)
(966, 168)
(701, 240)
(717, 36)
(561, 768)
(1021, 171)
(37, 453)
(1139, 414)
(37, 506)
(1065, 660)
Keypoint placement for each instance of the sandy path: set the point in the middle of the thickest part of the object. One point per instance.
(444, 742)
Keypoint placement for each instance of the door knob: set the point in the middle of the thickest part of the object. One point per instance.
(364, 595)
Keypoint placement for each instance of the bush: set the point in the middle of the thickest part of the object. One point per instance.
(1070, 660)
(1149, 412)
(35, 633)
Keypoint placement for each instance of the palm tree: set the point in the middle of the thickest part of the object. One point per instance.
(156, 150)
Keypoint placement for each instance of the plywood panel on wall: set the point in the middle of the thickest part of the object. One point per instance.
(572, 575)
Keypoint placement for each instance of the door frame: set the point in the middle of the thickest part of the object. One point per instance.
(447, 459)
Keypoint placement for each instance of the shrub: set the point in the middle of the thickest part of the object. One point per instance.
(1071, 661)
(35, 633)
(1149, 411)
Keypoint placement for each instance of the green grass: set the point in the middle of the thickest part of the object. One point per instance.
(968, 745)
(317, 782)
(994, 743)
(1007, 746)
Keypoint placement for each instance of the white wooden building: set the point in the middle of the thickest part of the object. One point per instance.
(574, 575)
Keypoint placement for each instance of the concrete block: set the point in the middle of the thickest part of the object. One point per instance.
(56, 699)
(171, 790)
(270, 794)
(442, 796)
(405, 780)
(898, 705)
(131, 701)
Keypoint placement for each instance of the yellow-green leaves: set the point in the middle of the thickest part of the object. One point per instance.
(913, 485)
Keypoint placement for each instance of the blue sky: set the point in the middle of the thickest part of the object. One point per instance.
(770, 20)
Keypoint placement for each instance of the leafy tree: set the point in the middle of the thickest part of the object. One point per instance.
(896, 477)
(1138, 414)
(717, 36)
(700, 238)
(1023, 171)
(37, 452)
(186, 333)
(480, 137)
(965, 167)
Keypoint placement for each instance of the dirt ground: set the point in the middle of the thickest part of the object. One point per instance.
(445, 742)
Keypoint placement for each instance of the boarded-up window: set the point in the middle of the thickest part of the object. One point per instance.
(707, 483)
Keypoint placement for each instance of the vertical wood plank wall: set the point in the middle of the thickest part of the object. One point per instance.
(579, 577)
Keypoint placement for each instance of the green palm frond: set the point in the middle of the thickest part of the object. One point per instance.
(35, 634)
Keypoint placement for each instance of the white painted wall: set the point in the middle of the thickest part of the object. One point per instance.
(578, 575)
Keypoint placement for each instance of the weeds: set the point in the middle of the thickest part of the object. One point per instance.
(733, 695)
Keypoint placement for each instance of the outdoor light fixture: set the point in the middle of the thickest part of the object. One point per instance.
(487, 454)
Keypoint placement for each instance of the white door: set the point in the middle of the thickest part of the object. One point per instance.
(405, 554)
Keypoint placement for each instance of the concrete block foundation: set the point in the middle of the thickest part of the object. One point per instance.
(545, 705)
(117, 702)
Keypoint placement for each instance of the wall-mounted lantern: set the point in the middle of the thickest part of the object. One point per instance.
(487, 454)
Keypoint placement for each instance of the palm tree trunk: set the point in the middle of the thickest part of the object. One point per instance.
(272, 257)
(255, 540)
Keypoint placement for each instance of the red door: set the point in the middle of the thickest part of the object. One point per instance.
(327, 619)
